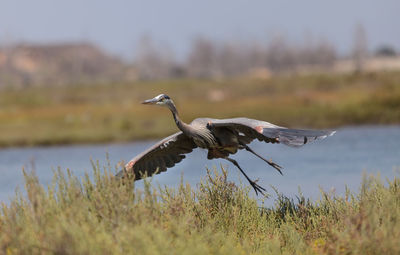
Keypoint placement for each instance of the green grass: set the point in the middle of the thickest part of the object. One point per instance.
(112, 112)
(103, 215)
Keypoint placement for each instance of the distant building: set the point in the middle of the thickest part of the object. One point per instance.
(58, 64)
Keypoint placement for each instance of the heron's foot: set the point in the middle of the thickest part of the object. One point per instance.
(257, 188)
(276, 166)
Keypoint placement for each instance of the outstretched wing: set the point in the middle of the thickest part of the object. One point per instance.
(162, 155)
(265, 131)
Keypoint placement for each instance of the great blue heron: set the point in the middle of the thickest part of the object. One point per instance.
(221, 137)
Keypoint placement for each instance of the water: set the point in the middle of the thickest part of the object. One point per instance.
(330, 164)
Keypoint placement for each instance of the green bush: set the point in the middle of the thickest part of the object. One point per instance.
(105, 215)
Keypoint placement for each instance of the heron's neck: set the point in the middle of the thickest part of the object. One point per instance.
(181, 125)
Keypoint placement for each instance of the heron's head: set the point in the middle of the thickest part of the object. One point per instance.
(162, 100)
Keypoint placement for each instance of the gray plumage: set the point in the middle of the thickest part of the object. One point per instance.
(222, 137)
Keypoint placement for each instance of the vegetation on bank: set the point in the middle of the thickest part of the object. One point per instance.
(112, 112)
(103, 215)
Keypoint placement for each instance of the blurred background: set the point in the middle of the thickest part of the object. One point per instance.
(74, 72)
(67, 42)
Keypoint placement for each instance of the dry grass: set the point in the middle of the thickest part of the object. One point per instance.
(112, 112)
(102, 215)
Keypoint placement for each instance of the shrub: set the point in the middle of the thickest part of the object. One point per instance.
(104, 215)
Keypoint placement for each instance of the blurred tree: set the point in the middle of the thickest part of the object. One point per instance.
(154, 62)
(256, 55)
(385, 51)
(320, 54)
(202, 59)
(280, 56)
(360, 47)
(232, 59)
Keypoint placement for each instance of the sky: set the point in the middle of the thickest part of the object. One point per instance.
(117, 25)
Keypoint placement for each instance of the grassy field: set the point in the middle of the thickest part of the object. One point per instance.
(103, 215)
(112, 112)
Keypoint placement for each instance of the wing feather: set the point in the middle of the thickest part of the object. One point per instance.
(162, 155)
(268, 132)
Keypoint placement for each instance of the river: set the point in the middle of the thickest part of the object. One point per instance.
(330, 164)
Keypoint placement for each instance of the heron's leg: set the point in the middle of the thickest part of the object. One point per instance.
(274, 165)
(257, 188)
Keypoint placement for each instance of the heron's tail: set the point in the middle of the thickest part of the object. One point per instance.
(297, 137)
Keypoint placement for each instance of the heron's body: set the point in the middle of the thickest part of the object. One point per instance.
(221, 137)
(201, 135)
(220, 141)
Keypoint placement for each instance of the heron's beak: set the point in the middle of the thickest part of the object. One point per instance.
(150, 101)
